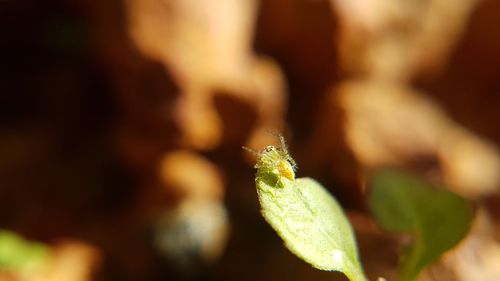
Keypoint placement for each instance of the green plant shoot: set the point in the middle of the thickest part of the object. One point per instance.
(436, 218)
(21, 255)
(305, 215)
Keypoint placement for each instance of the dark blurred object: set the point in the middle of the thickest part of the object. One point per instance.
(193, 235)
(193, 232)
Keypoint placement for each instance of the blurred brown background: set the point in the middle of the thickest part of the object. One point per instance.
(122, 121)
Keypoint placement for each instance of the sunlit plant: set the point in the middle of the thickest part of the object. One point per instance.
(314, 227)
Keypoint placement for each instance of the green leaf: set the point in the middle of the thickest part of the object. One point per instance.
(19, 254)
(305, 215)
(436, 218)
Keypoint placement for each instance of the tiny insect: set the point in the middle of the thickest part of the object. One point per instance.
(275, 162)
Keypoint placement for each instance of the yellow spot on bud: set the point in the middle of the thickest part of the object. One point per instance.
(286, 170)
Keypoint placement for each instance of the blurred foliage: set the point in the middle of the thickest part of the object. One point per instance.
(21, 255)
(436, 219)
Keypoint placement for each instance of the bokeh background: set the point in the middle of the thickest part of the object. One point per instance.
(122, 121)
